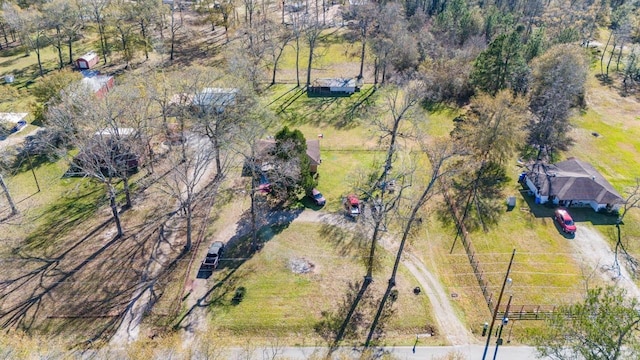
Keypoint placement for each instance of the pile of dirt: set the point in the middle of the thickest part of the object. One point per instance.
(301, 265)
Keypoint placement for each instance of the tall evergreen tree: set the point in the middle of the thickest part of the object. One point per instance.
(501, 65)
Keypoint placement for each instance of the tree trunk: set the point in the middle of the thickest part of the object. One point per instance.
(4, 34)
(405, 234)
(3, 185)
(103, 42)
(254, 230)
(364, 44)
(604, 51)
(216, 151)
(144, 38)
(114, 209)
(619, 57)
(611, 57)
(38, 56)
(59, 47)
(70, 45)
(187, 245)
(127, 192)
(311, 48)
(298, 60)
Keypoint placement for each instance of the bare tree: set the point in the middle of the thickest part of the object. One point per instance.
(107, 147)
(175, 25)
(366, 16)
(32, 26)
(248, 148)
(312, 31)
(190, 164)
(97, 9)
(632, 201)
(278, 37)
(383, 190)
(438, 156)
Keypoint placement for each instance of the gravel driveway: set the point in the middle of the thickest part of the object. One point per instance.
(591, 249)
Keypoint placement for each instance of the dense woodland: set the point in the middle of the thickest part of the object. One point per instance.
(516, 68)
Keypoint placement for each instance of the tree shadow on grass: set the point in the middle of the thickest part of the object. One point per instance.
(64, 215)
(346, 242)
(339, 112)
(87, 289)
(238, 249)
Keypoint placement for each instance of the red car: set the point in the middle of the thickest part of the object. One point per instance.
(565, 221)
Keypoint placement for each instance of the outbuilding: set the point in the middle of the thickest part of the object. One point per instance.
(335, 87)
(87, 61)
(98, 84)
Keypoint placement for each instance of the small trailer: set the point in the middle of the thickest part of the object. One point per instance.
(87, 61)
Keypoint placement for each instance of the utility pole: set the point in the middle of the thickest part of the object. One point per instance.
(495, 310)
(505, 319)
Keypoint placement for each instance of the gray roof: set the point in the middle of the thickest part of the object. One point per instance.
(95, 83)
(573, 179)
(218, 97)
(335, 82)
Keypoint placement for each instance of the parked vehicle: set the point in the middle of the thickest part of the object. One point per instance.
(264, 184)
(19, 125)
(317, 197)
(212, 259)
(352, 205)
(565, 221)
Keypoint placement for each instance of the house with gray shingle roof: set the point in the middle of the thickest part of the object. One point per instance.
(571, 183)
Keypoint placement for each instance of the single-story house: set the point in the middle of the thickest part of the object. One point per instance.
(333, 87)
(111, 151)
(204, 100)
(87, 61)
(313, 152)
(571, 183)
(98, 84)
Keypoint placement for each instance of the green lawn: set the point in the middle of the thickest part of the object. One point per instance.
(280, 302)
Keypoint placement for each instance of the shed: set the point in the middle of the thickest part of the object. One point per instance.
(99, 84)
(87, 61)
(334, 87)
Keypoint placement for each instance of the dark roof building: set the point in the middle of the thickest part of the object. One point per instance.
(572, 183)
(313, 151)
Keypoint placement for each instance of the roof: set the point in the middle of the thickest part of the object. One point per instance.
(125, 132)
(353, 200)
(335, 82)
(97, 82)
(313, 149)
(88, 56)
(573, 179)
(218, 97)
(12, 117)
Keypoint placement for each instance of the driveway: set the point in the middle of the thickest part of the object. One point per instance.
(591, 249)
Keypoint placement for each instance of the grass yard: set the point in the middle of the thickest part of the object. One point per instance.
(333, 57)
(283, 304)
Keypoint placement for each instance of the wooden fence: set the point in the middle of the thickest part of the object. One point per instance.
(516, 312)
